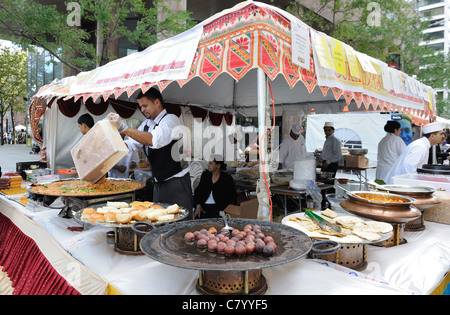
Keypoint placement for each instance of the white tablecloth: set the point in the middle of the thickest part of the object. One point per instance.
(416, 267)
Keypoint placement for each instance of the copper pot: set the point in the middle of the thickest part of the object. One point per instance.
(424, 195)
(425, 198)
(378, 206)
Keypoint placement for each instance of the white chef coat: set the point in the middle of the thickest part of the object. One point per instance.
(332, 150)
(292, 150)
(414, 156)
(389, 150)
(161, 130)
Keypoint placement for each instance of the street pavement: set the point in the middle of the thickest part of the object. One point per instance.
(10, 154)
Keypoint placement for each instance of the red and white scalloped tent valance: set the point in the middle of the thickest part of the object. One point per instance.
(190, 70)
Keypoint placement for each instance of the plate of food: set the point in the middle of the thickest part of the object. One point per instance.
(123, 214)
(354, 229)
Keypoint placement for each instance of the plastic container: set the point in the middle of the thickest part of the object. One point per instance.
(440, 182)
(98, 151)
(142, 176)
(334, 199)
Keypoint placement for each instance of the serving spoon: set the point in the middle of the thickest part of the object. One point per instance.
(224, 217)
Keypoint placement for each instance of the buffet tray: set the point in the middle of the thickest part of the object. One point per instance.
(166, 244)
(182, 214)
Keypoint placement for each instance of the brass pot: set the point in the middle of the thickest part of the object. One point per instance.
(378, 206)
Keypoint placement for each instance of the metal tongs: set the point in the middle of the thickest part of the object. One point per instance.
(321, 222)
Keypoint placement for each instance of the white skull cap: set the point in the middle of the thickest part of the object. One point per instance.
(296, 129)
(433, 127)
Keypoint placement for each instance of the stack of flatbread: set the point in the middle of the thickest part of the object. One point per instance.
(353, 229)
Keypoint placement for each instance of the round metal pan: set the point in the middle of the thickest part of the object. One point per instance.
(30, 190)
(182, 214)
(384, 236)
(167, 245)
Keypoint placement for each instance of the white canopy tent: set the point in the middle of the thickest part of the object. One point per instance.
(445, 122)
(234, 62)
(368, 128)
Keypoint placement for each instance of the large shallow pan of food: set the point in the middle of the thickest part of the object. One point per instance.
(170, 245)
(84, 189)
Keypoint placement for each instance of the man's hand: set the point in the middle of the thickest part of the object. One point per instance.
(73, 172)
(117, 122)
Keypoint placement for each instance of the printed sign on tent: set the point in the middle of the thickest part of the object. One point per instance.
(387, 79)
(365, 62)
(352, 61)
(337, 50)
(300, 45)
(323, 51)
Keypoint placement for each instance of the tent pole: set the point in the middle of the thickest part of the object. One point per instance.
(263, 195)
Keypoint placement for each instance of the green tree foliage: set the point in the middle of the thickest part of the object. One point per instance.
(13, 75)
(28, 24)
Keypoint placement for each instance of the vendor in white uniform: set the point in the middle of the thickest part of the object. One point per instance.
(159, 137)
(332, 150)
(416, 154)
(292, 148)
(389, 149)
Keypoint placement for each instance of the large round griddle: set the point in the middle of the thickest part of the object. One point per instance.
(167, 245)
(31, 191)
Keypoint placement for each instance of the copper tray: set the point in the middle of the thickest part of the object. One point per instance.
(167, 245)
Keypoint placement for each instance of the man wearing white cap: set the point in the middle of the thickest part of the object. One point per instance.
(332, 150)
(416, 153)
(292, 148)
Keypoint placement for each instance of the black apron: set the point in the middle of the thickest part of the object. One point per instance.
(161, 161)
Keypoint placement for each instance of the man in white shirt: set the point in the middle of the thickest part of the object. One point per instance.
(332, 150)
(292, 148)
(155, 135)
(416, 153)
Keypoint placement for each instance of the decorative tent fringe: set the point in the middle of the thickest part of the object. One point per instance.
(25, 270)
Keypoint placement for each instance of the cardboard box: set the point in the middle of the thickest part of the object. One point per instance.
(98, 151)
(246, 210)
(356, 161)
(441, 212)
